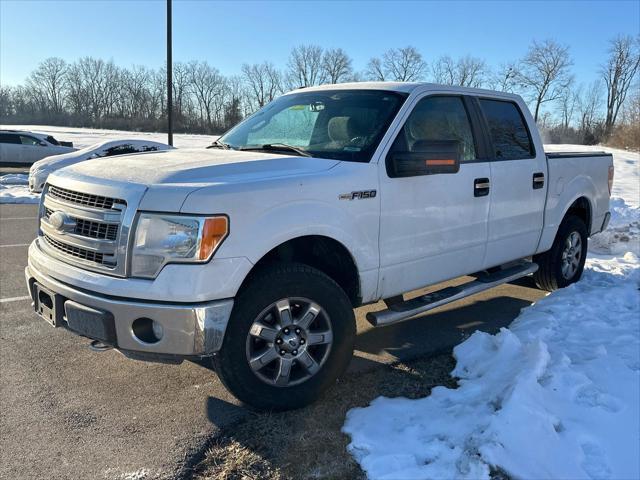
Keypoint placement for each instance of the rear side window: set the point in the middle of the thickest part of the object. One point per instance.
(509, 134)
(26, 140)
(9, 138)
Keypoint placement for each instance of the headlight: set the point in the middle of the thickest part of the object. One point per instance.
(161, 239)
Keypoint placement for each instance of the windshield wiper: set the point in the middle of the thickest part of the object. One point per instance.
(282, 147)
(219, 144)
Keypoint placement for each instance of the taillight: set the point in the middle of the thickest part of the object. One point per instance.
(611, 169)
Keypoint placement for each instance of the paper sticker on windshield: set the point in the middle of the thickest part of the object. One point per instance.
(351, 149)
(297, 107)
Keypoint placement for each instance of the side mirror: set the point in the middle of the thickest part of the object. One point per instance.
(43, 143)
(427, 158)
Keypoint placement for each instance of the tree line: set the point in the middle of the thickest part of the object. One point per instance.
(93, 92)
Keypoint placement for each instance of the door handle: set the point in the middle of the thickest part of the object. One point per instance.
(538, 180)
(481, 187)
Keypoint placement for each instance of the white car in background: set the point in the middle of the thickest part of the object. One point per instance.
(20, 147)
(40, 170)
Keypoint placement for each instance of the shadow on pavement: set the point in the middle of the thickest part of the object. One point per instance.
(433, 333)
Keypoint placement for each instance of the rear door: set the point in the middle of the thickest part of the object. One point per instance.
(518, 183)
(433, 227)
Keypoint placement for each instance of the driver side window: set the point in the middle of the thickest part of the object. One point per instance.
(437, 119)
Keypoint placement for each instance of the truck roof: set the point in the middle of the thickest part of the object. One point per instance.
(405, 87)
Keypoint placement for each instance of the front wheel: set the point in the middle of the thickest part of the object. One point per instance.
(563, 264)
(291, 334)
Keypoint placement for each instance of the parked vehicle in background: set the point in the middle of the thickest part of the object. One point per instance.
(253, 253)
(41, 169)
(22, 148)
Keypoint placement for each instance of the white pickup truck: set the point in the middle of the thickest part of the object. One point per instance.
(253, 253)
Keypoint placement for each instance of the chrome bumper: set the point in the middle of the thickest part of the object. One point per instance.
(189, 330)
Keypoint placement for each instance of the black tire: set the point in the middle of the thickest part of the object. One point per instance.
(550, 275)
(268, 286)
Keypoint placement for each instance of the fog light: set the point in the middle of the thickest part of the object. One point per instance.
(157, 329)
(147, 330)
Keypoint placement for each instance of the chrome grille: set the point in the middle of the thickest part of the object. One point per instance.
(74, 251)
(87, 199)
(91, 229)
(87, 228)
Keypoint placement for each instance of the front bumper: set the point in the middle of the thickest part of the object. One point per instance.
(189, 330)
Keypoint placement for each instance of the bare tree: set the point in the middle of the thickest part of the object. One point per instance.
(375, 71)
(93, 86)
(207, 86)
(135, 96)
(305, 66)
(6, 101)
(263, 82)
(467, 71)
(505, 77)
(472, 71)
(568, 102)
(48, 80)
(403, 64)
(336, 66)
(589, 106)
(545, 72)
(443, 71)
(618, 74)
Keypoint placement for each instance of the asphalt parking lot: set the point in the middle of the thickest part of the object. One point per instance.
(69, 412)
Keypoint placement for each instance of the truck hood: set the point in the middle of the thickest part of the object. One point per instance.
(195, 166)
(169, 176)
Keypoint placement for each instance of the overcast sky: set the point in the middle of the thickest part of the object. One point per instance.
(228, 34)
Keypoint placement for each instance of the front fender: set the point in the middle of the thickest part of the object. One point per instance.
(266, 214)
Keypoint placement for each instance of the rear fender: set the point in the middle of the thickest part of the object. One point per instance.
(561, 196)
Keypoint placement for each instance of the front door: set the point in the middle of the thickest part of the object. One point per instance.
(433, 227)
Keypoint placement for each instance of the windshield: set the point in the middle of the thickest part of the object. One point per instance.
(337, 124)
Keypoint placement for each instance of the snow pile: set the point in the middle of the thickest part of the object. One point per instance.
(14, 189)
(556, 395)
(623, 233)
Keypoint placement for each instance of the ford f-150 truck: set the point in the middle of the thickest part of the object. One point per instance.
(252, 254)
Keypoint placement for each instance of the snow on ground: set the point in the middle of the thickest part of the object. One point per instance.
(555, 395)
(84, 137)
(15, 189)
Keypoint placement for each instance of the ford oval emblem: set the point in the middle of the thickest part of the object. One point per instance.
(61, 221)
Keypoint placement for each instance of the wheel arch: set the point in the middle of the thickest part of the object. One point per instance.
(577, 198)
(581, 207)
(324, 253)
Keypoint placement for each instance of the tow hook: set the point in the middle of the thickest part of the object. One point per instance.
(98, 346)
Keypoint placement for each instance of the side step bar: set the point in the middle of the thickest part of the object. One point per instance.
(406, 310)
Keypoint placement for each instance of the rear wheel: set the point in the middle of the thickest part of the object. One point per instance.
(290, 335)
(563, 264)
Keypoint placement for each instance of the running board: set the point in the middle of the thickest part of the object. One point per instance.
(406, 310)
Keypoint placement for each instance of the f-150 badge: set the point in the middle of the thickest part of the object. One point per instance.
(361, 195)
